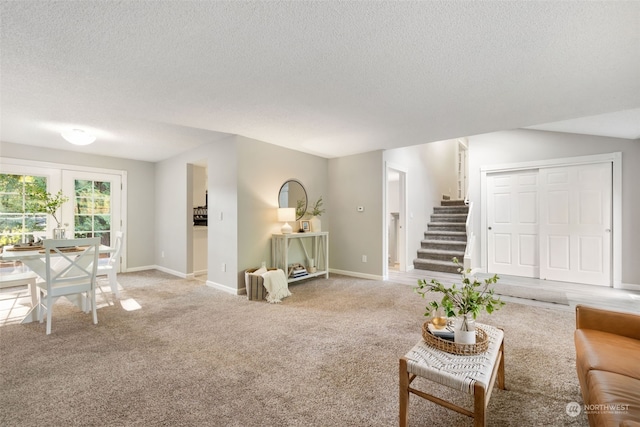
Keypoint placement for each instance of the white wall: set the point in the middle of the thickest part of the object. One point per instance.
(430, 173)
(529, 145)
(174, 210)
(140, 230)
(244, 177)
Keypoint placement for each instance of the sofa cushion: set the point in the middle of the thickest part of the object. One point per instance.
(607, 352)
(614, 398)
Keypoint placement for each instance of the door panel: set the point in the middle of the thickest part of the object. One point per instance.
(575, 224)
(513, 223)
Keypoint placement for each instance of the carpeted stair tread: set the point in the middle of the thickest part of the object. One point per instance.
(440, 252)
(452, 203)
(449, 217)
(452, 243)
(450, 209)
(435, 265)
(446, 235)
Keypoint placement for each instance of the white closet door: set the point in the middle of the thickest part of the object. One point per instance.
(512, 222)
(575, 224)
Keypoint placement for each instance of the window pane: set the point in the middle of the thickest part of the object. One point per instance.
(84, 206)
(11, 203)
(83, 223)
(102, 222)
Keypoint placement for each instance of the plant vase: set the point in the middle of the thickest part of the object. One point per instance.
(465, 329)
(315, 223)
(59, 232)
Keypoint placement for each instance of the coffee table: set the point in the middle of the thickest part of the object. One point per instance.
(474, 374)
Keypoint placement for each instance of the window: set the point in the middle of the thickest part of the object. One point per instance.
(16, 223)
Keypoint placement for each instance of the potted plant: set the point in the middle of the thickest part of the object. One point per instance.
(464, 302)
(41, 201)
(315, 212)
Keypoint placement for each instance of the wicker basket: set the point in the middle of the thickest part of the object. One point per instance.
(255, 285)
(481, 345)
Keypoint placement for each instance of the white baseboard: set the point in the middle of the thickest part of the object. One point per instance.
(143, 268)
(172, 272)
(629, 287)
(356, 274)
(226, 288)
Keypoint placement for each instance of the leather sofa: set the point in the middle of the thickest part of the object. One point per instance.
(608, 363)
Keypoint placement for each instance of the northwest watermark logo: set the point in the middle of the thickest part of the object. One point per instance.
(574, 408)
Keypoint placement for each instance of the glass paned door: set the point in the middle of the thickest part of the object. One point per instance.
(95, 211)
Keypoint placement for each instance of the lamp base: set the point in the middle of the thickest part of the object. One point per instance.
(286, 228)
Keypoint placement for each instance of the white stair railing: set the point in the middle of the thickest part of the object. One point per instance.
(471, 238)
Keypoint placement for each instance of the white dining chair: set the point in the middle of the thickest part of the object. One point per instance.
(71, 268)
(110, 268)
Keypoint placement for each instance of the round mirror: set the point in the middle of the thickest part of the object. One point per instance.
(293, 195)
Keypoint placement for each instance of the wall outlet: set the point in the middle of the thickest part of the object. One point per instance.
(162, 254)
(224, 267)
(364, 258)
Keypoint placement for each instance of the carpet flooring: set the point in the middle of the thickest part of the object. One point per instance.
(174, 352)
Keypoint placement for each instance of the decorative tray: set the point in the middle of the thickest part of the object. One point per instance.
(25, 247)
(481, 345)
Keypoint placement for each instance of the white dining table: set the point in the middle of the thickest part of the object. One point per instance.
(35, 261)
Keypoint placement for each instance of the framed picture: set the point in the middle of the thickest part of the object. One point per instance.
(304, 226)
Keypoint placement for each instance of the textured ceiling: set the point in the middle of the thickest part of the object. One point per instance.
(153, 79)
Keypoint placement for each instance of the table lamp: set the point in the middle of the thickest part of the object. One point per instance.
(285, 215)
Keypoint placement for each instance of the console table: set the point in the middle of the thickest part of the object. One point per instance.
(319, 246)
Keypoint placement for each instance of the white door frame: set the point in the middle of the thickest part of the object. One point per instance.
(402, 219)
(616, 161)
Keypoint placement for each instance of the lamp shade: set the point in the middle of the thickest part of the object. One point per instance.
(286, 214)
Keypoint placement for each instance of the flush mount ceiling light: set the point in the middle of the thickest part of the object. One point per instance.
(78, 137)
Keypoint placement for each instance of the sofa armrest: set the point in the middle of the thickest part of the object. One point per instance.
(614, 322)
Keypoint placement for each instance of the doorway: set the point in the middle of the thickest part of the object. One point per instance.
(395, 223)
(198, 206)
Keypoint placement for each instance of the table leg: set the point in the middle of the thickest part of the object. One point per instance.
(501, 383)
(404, 393)
(479, 406)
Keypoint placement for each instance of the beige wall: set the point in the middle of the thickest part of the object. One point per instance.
(357, 181)
(262, 169)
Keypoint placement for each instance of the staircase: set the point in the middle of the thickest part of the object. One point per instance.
(445, 238)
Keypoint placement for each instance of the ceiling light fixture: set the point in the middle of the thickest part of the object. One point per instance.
(78, 137)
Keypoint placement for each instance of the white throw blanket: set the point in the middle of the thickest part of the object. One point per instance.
(275, 282)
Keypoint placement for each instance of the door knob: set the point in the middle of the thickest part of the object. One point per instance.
(607, 230)
(489, 228)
